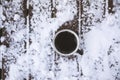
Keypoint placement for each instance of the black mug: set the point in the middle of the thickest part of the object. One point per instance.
(66, 42)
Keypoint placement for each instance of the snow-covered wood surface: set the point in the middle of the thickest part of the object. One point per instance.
(27, 28)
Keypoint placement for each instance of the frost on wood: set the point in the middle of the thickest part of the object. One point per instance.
(102, 50)
(13, 45)
(43, 29)
(26, 40)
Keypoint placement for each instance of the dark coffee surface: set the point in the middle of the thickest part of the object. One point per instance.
(65, 42)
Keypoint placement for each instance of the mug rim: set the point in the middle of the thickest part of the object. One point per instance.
(76, 36)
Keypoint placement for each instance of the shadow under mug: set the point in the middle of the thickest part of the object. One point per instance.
(66, 42)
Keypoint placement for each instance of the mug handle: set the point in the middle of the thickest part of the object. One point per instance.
(80, 51)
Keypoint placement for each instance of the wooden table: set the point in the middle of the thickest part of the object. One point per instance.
(27, 28)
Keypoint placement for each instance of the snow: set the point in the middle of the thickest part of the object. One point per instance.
(101, 49)
(2, 49)
(2, 17)
(2, 39)
(97, 44)
(16, 17)
(0, 61)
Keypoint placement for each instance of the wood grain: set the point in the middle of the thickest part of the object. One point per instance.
(33, 15)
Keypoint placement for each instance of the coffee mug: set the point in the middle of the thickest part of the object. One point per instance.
(66, 42)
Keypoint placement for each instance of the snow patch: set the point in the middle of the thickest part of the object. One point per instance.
(16, 17)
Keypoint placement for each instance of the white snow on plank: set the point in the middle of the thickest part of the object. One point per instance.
(43, 27)
(96, 62)
(101, 59)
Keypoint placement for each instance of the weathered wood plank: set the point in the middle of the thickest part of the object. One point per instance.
(63, 64)
(95, 12)
(13, 47)
(55, 63)
(40, 38)
(28, 28)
